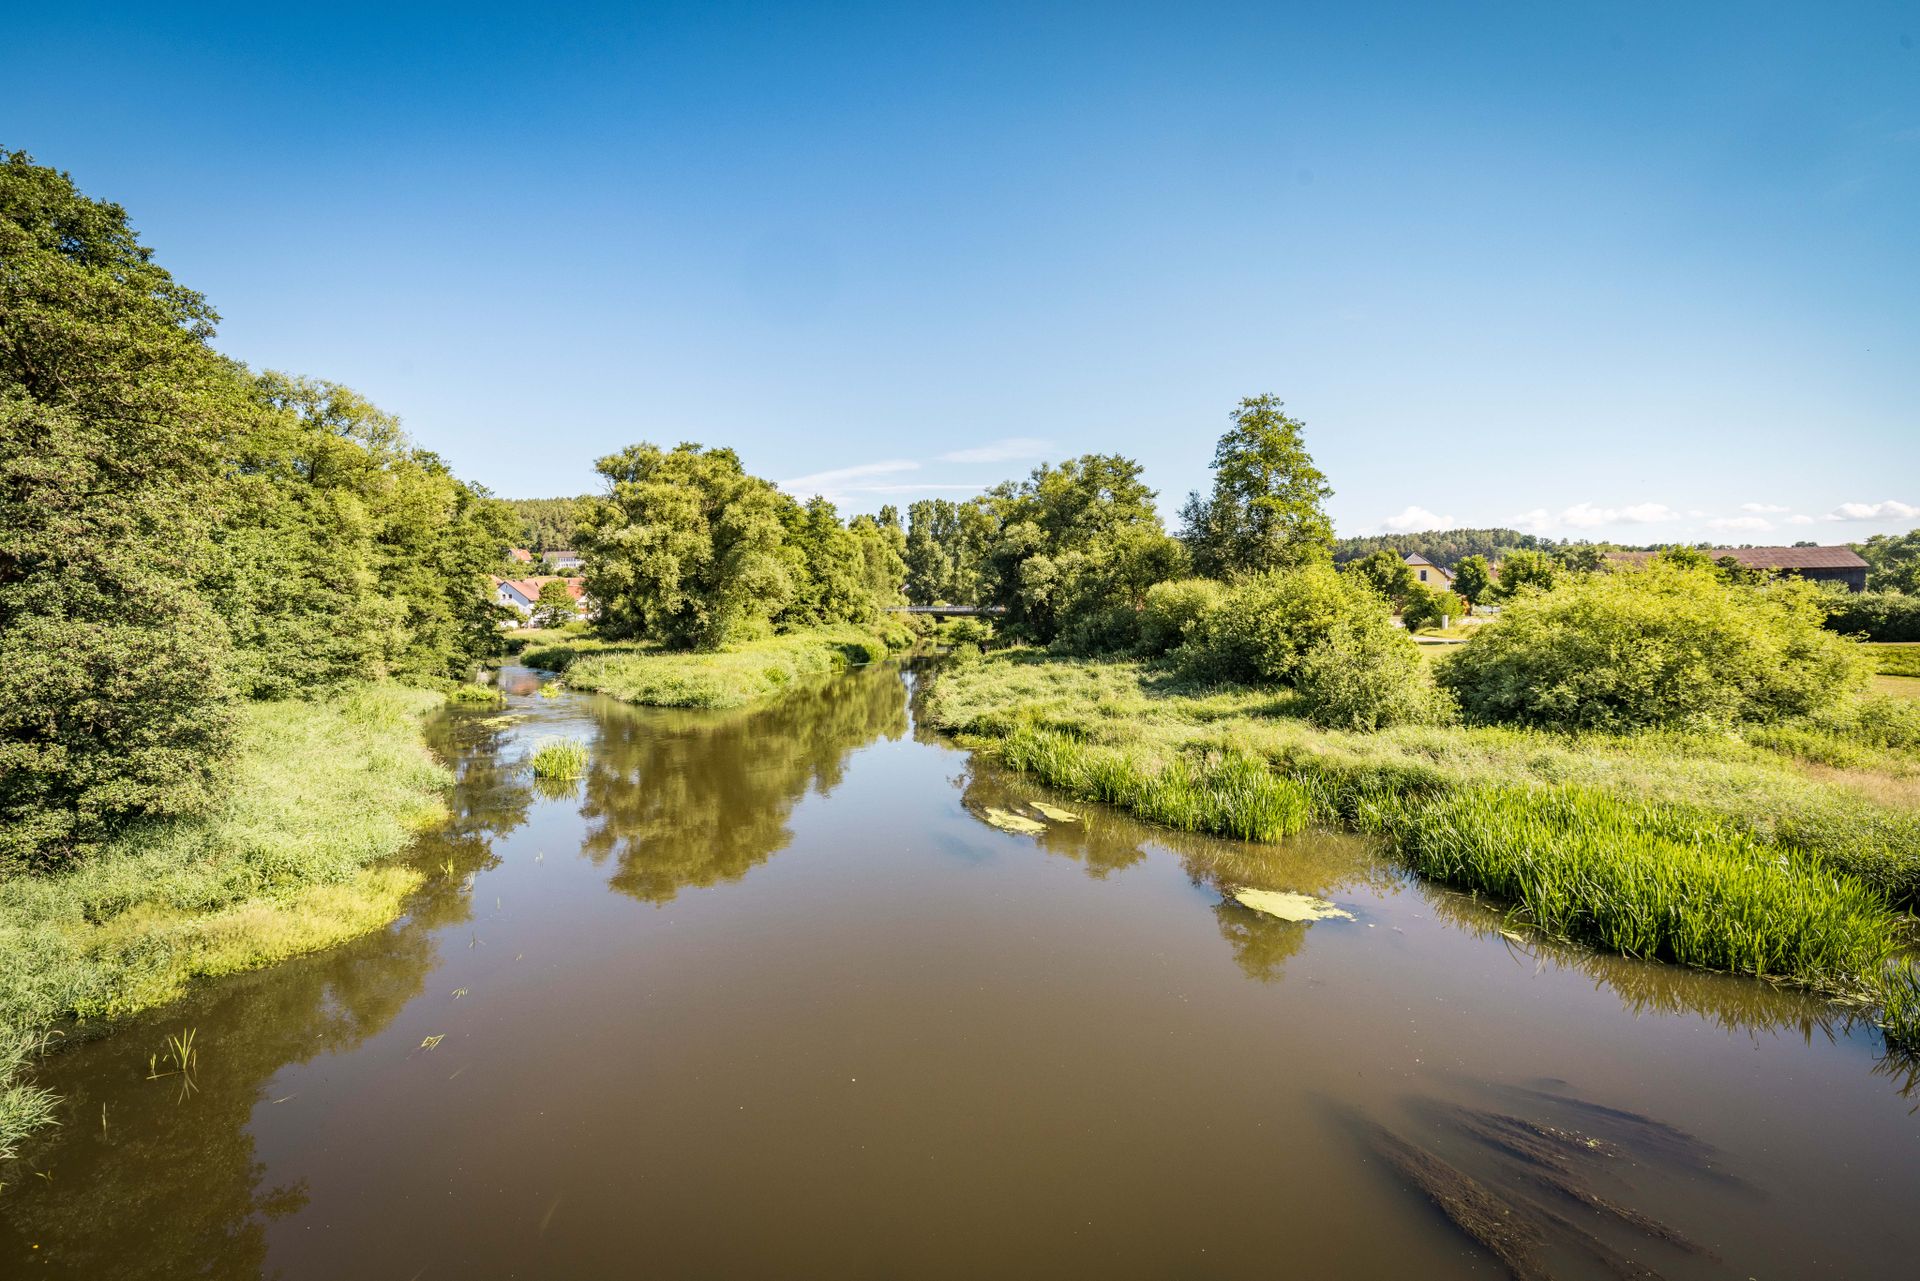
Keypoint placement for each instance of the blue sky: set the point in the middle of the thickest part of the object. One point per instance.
(1633, 272)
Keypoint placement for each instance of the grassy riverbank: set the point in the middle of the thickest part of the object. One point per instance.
(288, 863)
(1781, 853)
(732, 677)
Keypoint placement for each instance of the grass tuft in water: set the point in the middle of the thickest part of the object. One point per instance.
(561, 759)
(24, 1107)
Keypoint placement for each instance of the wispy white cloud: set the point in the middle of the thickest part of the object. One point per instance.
(1889, 510)
(1417, 518)
(1765, 509)
(1740, 522)
(1799, 519)
(1537, 521)
(1012, 449)
(1590, 516)
(839, 478)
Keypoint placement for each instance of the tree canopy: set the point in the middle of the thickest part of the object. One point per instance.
(1265, 512)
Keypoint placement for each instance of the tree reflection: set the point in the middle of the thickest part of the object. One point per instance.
(1262, 944)
(679, 799)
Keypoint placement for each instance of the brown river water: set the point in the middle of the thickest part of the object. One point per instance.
(764, 995)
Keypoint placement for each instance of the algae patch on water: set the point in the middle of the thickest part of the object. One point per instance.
(1007, 821)
(1289, 906)
(1054, 812)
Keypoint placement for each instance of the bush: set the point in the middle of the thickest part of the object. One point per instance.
(1428, 608)
(977, 632)
(1173, 610)
(1662, 645)
(1874, 616)
(1260, 630)
(1367, 674)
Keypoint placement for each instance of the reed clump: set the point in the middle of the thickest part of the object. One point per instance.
(561, 759)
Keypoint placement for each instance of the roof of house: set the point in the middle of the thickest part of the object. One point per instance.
(1415, 558)
(1766, 557)
(520, 553)
(1793, 557)
(530, 587)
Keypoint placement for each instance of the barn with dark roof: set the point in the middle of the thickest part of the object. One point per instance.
(1822, 564)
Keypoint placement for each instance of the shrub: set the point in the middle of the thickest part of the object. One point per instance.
(1367, 674)
(1662, 645)
(1874, 616)
(1260, 630)
(967, 631)
(1425, 607)
(1173, 610)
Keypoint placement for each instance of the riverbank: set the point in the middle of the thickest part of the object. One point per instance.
(1783, 854)
(644, 674)
(319, 794)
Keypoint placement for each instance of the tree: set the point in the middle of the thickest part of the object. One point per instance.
(1075, 540)
(545, 524)
(685, 547)
(1387, 573)
(1473, 579)
(883, 567)
(1893, 562)
(555, 605)
(824, 564)
(1265, 512)
(113, 670)
(1523, 570)
(1425, 607)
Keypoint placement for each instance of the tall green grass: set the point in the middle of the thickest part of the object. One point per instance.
(317, 794)
(24, 1107)
(562, 759)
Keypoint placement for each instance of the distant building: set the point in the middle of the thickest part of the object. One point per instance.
(563, 560)
(1429, 574)
(522, 594)
(520, 554)
(1821, 564)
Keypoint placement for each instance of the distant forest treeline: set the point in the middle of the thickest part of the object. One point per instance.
(1444, 546)
(546, 524)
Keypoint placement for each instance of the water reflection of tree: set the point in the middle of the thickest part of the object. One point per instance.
(695, 798)
(170, 1186)
(1262, 944)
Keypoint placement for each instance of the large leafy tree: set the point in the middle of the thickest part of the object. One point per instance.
(825, 566)
(1893, 562)
(1075, 542)
(1265, 512)
(1473, 578)
(685, 547)
(113, 686)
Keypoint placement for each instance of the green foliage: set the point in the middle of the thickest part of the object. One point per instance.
(733, 677)
(1387, 573)
(318, 794)
(1367, 674)
(1473, 578)
(1893, 563)
(561, 759)
(113, 694)
(1261, 629)
(1172, 610)
(945, 551)
(1874, 616)
(1265, 512)
(24, 1107)
(825, 565)
(545, 524)
(881, 545)
(685, 548)
(344, 553)
(1445, 547)
(1896, 660)
(1654, 646)
(1524, 571)
(1076, 549)
(555, 606)
(1425, 607)
(977, 632)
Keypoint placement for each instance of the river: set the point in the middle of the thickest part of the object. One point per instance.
(766, 995)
